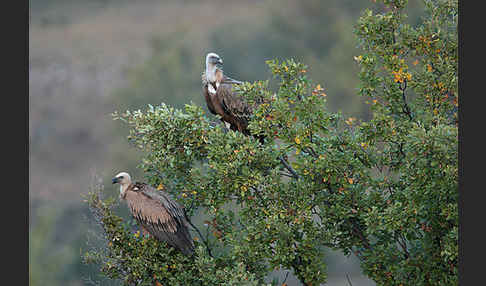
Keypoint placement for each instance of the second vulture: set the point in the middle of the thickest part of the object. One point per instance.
(156, 213)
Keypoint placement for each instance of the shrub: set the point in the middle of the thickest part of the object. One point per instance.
(385, 190)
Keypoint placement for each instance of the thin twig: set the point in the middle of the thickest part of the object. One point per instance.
(189, 209)
(291, 170)
(200, 235)
(286, 276)
(403, 244)
(286, 175)
(349, 280)
(312, 152)
(406, 108)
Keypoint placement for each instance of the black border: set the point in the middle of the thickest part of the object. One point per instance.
(15, 134)
(471, 81)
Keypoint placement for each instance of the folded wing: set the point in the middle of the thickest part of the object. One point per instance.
(161, 216)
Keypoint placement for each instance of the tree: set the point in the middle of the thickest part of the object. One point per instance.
(385, 190)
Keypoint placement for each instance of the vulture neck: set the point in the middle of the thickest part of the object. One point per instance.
(123, 190)
(214, 75)
(211, 73)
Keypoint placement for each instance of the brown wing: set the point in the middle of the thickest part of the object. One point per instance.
(235, 106)
(161, 216)
(215, 104)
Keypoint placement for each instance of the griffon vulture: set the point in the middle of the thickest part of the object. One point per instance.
(220, 98)
(156, 212)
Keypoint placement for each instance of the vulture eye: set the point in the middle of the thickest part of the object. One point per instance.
(121, 177)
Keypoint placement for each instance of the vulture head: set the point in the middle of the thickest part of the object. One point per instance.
(214, 63)
(214, 73)
(124, 180)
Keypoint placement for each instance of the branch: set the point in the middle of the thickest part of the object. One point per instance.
(403, 244)
(286, 276)
(406, 109)
(286, 175)
(291, 170)
(200, 235)
(189, 209)
(312, 152)
(349, 280)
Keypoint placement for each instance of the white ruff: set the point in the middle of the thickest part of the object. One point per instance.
(211, 89)
(123, 190)
(121, 193)
(211, 73)
(227, 125)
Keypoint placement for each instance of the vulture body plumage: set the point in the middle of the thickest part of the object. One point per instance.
(220, 98)
(156, 213)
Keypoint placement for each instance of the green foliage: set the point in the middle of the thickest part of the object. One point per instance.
(410, 76)
(135, 259)
(385, 190)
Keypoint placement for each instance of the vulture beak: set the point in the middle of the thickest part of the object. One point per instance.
(219, 64)
(114, 180)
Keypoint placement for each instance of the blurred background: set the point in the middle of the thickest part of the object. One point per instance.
(89, 58)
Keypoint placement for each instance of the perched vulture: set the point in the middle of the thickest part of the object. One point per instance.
(220, 98)
(156, 212)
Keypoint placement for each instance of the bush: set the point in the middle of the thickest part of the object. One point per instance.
(385, 190)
